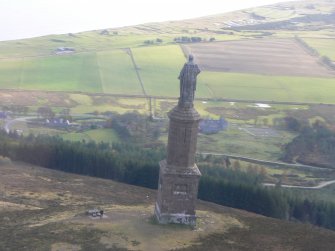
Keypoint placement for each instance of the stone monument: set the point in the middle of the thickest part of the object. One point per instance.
(179, 175)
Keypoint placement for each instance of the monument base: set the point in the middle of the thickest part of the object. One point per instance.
(177, 194)
(164, 218)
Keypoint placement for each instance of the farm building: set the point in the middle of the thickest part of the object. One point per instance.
(58, 122)
(211, 126)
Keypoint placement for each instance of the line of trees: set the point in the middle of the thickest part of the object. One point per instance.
(324, 59)
(310, 49)
(185, 39)
(153, 41)
(133, 165)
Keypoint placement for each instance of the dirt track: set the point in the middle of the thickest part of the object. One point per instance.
(261, 56)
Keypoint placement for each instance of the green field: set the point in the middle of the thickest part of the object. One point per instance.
(234, 141)
(108, 72)
(117, 73)
(159, 68)
(325, 47)
(103, 63)
(261, 87)
(97, 135)
(10, 73)
(57, 73)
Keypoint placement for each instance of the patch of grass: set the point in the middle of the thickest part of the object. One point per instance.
(11, 73)
(81, 99)
(271, 88)
(97, 135)
(288, 236)
(118, 105)
(238, 142)
(159, 67)
(325, 47)
(41, 130)
(62, 73)
(117, 73)
(58, 73)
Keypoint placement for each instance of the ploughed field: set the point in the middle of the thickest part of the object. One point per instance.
(259, 56)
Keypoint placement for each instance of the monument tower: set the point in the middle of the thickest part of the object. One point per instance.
(179, 175)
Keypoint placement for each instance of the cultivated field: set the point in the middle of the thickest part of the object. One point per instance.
(259, 56)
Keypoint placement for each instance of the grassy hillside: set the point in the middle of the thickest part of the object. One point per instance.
(118, 60)
(45, 210)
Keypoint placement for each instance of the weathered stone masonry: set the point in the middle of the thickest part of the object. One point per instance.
(179, 176)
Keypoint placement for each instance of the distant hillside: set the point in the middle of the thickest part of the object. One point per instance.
(278, 49)
(43, 209)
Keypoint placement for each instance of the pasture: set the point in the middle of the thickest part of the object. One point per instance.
(325, 47)
(258, 56)
(56, 73)
(268, 88)
(159, 68)
(97, 72)
(97, 135)
(117, 73)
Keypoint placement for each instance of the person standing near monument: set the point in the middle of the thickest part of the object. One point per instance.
(188, 82)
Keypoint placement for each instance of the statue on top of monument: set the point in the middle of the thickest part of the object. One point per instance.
(188, 82)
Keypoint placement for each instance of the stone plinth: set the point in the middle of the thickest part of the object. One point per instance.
(177, 194)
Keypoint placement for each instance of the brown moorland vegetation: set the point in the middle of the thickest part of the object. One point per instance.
(42, 209)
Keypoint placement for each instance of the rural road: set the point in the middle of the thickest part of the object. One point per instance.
(257, 161)
(321, 185)
(9, 123)
(262, 162)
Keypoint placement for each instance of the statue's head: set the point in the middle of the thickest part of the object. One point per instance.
(190, 58)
